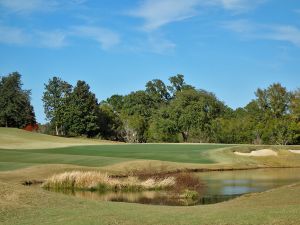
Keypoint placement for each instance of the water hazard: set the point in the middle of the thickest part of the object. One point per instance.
(218, 187)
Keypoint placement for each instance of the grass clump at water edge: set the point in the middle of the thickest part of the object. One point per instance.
(96, 181)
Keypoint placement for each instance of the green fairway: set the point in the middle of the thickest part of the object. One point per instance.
(103, 155)
(14, 159)
(164, 152)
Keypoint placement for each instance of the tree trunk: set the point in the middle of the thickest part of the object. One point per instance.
(62, 133)
(185, 136)
(6, 124)
(56, 129)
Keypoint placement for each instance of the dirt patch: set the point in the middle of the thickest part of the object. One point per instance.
(258, 153)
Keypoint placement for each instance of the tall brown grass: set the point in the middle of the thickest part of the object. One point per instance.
(102, 182)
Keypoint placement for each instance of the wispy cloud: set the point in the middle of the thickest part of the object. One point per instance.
(21, 37)
(284, 33)
(239, 5)
(29, 6)
(57, 38)
(51, 39)
(297, 11)
(106, 38)
(13, 35)
(157, 13)
(21, 6)
(160, 45)
(275, 32)
(240, 26)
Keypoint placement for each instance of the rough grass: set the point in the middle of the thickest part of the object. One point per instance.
(97, 181)
(12, 138)
(30, 205)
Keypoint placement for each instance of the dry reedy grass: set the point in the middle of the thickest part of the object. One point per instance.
(102, 182)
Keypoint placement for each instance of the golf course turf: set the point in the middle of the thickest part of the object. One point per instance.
(33, 205)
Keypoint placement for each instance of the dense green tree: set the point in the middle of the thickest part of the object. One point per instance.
(158, 91)
(54, 99)
(273, 101)
(116, 102)
(178, 84)
(136, 113)
(239, 127)
(16, 110)
(295, 105)
(82, 111)
(111, 126)
(162, 128)
(192, 109)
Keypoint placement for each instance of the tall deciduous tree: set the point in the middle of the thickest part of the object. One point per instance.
(136, 113)
(178, 84)
(110, 123)
(192, 109)
(158, 90)
(295, 105)
(273, 101)
(54, 99)
(16, 110)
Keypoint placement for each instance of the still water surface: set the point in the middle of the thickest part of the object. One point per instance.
(218, 187)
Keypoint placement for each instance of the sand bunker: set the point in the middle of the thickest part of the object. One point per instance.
(263, 152)
(295, 151)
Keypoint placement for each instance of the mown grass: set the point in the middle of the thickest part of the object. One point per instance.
(163, 152)
(105, 155)
(26, 158)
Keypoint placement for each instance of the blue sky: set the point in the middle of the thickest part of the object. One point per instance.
(229, 47)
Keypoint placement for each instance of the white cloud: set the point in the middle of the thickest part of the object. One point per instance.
(21, 37)
(52, 39)
(239, 5)
(157, 13)
(26, 6)
(29, 6)
(273, 32)
(160, 45)
(105, 37)
(240, 26)
(57, 38)
(284, 33)
(13, 35)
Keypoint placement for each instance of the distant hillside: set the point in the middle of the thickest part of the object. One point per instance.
(12, 138)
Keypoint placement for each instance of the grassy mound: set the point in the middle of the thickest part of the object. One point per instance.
(12, 138)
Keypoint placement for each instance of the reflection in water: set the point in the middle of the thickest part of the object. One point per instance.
(220, 186)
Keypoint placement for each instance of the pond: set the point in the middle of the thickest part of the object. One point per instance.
(218, 187)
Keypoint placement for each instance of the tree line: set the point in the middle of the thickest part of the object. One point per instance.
(173, 112)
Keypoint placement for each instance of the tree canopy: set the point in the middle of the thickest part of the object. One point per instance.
(16, 110)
